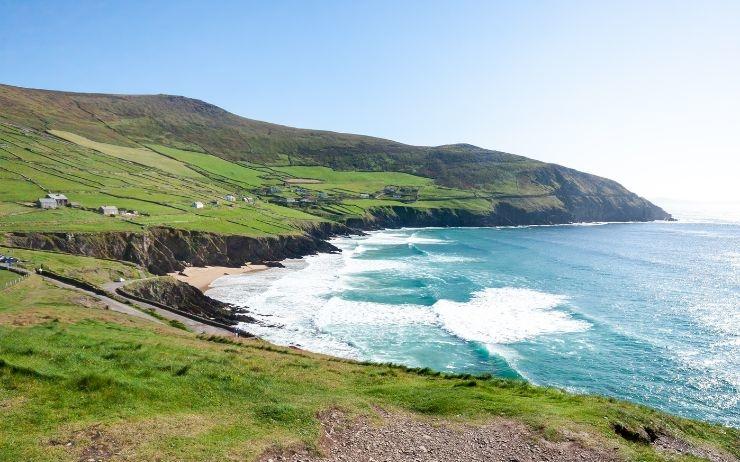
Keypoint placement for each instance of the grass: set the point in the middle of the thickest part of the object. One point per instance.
(161, 183)
(219, 169)
(353, 181)
(129, 178)
(139, 155)
(70, 370)
(92, 270)
(7, 276)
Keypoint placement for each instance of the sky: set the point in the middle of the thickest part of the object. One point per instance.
(644, 92)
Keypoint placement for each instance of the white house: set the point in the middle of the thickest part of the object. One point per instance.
(108, 210)
(364, 196)
(60, 199)
(248, 200)
(47, 203)
(230, 197)
(198, 205)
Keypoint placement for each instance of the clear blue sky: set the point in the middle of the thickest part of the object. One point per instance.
(647, 93)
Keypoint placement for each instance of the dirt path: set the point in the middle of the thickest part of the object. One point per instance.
(402, 438)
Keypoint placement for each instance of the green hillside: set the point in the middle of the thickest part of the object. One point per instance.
(138, 122)
(160, 185)
(157, 155)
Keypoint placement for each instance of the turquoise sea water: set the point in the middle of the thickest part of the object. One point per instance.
(648, 312)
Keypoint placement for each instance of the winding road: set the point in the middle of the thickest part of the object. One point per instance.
(137, 308)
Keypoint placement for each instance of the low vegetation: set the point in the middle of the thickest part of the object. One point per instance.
(155, 185)
(78, 381)
(91, 270)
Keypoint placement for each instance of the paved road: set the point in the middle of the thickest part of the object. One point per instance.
(114, 305)
(192, 324)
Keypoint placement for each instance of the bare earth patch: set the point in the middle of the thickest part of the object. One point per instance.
(676, 446)
(401, 438)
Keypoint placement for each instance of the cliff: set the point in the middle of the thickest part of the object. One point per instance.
(165, 250)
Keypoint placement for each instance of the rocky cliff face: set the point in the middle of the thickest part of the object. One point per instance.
(165, 250)
(186, 298)
(579, 208)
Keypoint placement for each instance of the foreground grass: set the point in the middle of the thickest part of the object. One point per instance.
(70, 370)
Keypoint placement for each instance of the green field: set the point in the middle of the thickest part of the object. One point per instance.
(6, 276)
(138, 155)
(73, 372)
(161, 183)
(134, 179)
(92, 270)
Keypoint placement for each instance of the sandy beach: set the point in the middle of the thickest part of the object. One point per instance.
(202, 277)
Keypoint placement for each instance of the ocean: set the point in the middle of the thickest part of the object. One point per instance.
(648, 312)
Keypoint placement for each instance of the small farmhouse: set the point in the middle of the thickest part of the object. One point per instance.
(109, 210)
(198, 205)
(248, 200)
(47, 203)
(364, 196)
(230, 197)
(60, 199)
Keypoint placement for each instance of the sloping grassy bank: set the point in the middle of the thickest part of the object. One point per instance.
(76, 379)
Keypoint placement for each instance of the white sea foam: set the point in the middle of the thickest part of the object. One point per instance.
(384, 238)
(304, 304)
(506, 315)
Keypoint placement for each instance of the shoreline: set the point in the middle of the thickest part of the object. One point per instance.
(201, 277)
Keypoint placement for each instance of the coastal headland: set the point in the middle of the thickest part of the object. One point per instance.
(112, 193)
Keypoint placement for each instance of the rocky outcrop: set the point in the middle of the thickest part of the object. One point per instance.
(185, 298)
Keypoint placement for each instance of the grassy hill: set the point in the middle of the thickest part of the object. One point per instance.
(129, 121)
(159, 154)
(161, 184)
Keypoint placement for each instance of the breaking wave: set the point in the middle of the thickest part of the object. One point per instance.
(506, 315)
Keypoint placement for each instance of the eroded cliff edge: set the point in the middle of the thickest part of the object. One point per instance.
(165, 250)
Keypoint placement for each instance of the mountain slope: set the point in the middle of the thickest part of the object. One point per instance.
(179, 122)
